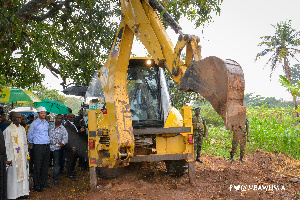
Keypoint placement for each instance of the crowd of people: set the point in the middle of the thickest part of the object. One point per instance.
(29, 146)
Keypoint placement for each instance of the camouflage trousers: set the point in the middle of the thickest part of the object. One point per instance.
(198, 140)
(238, 138)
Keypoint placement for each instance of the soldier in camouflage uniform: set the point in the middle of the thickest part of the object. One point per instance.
(200, 131)
(240, 137)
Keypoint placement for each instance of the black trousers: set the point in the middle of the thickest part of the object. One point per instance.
(41, 158)
(31, 161)
(3, 178)
(62, 159)
(71, 162)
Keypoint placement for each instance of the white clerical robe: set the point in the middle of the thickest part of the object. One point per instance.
(16, 151)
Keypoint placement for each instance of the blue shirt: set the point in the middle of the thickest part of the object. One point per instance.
(38, 132)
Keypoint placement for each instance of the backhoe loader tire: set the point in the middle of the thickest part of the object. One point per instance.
(107, 173)
(176, 168)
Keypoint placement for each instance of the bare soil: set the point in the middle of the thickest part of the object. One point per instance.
(262, 176)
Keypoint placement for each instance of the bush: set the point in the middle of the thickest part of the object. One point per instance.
(211, 116)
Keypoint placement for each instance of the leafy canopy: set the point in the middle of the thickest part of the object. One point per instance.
(71, 38)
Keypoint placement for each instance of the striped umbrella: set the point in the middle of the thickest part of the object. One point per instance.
(17, 95)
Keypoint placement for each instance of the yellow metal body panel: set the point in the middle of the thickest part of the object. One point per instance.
(92, 126)
(113, 78)
(174, 119)
(186, 112)
(176, 144)
(170, 144)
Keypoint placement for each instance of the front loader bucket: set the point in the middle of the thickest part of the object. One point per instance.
(222, 84)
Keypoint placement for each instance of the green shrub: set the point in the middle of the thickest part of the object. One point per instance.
(211, 116)
(218, 142)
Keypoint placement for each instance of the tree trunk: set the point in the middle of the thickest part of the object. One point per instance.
(296, 105)
(288, 75)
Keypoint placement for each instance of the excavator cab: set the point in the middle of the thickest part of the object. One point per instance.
(147, 92)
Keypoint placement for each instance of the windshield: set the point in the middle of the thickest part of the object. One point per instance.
(143, 92)
(94, 90)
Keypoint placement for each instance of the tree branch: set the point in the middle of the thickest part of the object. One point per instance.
(27, 11)
(50, 13)
(52, 69)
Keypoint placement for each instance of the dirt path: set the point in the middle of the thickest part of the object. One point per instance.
(262, 176)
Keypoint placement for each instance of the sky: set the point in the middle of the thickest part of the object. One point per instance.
(235, 34)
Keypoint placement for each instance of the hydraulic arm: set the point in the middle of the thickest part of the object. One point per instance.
(220, 82)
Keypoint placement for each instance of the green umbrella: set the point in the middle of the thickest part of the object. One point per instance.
(53, 106)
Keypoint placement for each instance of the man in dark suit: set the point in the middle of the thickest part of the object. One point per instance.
(76, 146)
(81, 127)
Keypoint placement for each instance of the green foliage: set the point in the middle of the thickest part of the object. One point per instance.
(274, 130)
(293, 89)
(198, 11)
(211, 116)
(44, 93)
(281, 45)
(271, 102)
(179, 98)
(70, 38)
(295, 73)
(74, 103)
(218, 142)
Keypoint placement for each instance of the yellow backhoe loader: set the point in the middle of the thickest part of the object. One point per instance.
(132, 119)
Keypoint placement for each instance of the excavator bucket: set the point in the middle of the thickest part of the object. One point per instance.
(222, 84)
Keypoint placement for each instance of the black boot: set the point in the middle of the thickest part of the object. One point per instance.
(231, 158)
(198, 158)
(241, 159)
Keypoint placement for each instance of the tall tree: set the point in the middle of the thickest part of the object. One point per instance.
(71, 38)
(282, 47)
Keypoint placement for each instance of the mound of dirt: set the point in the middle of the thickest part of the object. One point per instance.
(262, 176)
